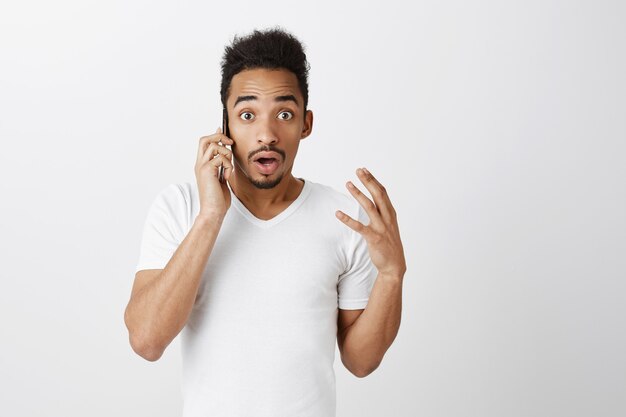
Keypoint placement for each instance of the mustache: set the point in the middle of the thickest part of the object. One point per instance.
(266, 148)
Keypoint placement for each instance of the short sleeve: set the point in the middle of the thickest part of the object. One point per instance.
(355, 284)
(163, 230)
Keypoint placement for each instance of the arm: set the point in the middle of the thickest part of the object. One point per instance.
(160, 304)
(364, 342)
(161, 300)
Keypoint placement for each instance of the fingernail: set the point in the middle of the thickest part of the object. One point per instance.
(366, 171)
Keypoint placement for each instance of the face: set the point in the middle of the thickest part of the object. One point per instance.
(266, 121)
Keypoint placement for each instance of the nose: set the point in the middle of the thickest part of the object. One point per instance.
(267, 134)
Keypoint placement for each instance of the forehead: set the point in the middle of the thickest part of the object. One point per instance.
(263, 83)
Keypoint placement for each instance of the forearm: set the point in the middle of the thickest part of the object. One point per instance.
(369, 337)
(159, 311)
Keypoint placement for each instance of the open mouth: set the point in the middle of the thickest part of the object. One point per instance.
(266, 161)
(266, 166)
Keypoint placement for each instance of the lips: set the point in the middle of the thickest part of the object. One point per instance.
(268, 168)
(267, 162)
(267, 156)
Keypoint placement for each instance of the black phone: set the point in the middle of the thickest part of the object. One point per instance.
(225, 131)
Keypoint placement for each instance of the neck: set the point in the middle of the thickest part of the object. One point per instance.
(263, 200)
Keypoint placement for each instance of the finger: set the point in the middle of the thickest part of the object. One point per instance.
(366, 203)
(379, 194)
(221, 160)
(205, 141)
(355, 225)
(215, 149)
(218, 161)
(215, 138)
(228, 166)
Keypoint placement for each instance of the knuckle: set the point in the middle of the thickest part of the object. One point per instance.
(379, 188)
(211, 148)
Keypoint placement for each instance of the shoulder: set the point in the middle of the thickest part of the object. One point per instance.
(176, 202)
(174, 193)
(327, 196)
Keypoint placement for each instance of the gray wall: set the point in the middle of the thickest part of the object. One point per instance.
(497, 127)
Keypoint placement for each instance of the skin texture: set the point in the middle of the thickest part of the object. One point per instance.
(265, 124)
(382, 233)
(363, 342)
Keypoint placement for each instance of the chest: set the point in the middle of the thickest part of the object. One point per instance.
(282, 270)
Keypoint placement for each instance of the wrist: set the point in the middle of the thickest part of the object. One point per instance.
(205, 220)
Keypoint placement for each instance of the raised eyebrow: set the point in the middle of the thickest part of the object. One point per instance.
(289, 97)
(277, 99)
(244, 98)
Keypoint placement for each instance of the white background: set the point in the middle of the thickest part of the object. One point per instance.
(498, 128)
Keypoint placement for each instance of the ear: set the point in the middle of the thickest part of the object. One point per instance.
(307, 127)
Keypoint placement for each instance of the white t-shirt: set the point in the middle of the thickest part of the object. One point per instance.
(260, 340)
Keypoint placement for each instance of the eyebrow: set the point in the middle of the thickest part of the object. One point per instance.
(277, 99)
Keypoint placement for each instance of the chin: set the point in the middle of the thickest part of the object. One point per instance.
(267, 183)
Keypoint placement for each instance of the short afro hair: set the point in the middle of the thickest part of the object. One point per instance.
(270, 49)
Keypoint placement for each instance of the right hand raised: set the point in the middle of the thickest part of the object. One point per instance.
(214, 196)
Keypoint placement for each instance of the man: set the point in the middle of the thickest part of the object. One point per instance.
(257, 273)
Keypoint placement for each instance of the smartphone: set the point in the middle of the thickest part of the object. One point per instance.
(225, 130)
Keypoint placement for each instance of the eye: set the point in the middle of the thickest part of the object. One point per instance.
(288, 113)
(243, 115)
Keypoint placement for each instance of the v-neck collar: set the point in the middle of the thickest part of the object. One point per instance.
(265, 224)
